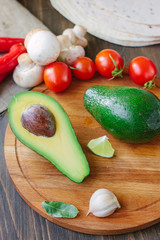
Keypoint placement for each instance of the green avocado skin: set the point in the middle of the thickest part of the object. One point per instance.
(129, 114)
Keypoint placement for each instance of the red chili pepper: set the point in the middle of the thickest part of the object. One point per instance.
(4, 75)
(7, 43)
(9, 61)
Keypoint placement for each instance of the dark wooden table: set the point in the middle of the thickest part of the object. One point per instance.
(17, 219)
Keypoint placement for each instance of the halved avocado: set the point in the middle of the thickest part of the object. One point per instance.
(62, 149)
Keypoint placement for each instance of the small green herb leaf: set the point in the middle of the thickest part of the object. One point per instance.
(60, 209)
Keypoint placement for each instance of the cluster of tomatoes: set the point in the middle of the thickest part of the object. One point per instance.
(109, 64)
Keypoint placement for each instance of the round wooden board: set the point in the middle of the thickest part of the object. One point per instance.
(133, 174)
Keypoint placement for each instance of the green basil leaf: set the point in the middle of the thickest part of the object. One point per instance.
(60, 209)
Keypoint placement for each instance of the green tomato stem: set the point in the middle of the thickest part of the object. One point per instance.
(116, 71)
(150, 84)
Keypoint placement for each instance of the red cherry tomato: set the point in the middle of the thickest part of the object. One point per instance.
(84, 68)
(57, 76)
(109, 63)
(142, 70)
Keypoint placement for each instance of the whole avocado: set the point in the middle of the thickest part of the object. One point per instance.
(128, 113)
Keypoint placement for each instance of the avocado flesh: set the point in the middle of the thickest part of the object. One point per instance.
(129, 114)
(63, 149)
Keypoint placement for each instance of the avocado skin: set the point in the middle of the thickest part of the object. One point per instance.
(69, 158)
(129, 114)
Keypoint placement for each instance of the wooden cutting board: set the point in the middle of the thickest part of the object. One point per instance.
(133, 174)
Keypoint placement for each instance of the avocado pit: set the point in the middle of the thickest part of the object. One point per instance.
(38, 120)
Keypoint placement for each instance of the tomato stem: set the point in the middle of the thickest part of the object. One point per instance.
(116, 71)
(150, 83)
(72, 68)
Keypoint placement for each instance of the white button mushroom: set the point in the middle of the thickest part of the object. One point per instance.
(27, 74)
(71, 54)
(29, 35)
(68, 52)
(42, 46)
(64, 42)
(76, 35)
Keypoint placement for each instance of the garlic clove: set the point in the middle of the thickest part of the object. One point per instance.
(103, 213)
(103, 203)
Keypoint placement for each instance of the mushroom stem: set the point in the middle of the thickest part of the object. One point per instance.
(25, 61)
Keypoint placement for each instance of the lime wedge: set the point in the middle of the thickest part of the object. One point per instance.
(101, 147)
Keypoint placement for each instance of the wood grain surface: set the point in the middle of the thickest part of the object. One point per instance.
(18, 220)
(132, 174)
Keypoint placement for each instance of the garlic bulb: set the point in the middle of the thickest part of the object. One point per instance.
(103, 203)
